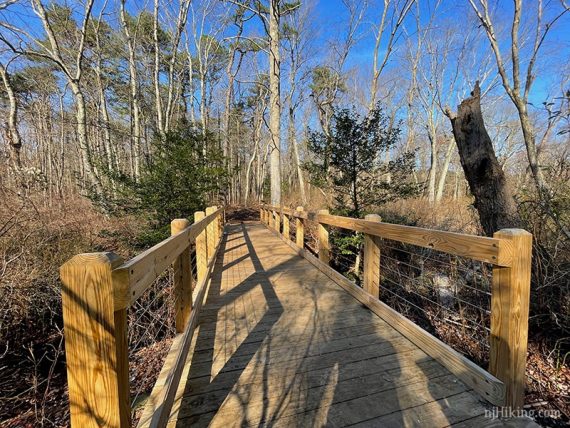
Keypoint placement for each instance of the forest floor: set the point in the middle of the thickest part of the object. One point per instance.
(37, 238)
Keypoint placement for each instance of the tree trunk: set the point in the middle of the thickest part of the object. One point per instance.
(156, 74)
(444, 170)
(275, 102)
(12, 133)
(136, 137)
(433, 163)
(493, 197)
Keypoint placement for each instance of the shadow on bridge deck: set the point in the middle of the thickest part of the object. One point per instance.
(280, 344)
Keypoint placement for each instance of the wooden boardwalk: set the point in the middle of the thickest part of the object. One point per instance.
(280, 344)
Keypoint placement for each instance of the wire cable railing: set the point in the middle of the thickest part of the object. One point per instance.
(470, 292)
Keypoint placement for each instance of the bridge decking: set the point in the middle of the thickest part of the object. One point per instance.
(280, 344)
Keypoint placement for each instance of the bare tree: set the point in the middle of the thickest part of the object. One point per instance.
(133, 84)
(493, 197)
(394, 13)
(12, 132)
(518, 87)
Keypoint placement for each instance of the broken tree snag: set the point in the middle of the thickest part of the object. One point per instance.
(493, 197)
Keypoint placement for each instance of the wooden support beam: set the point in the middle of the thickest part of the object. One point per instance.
(211, 234)
(201, 248)
(372, 260)
(510, 296)
(300, 232)
(323, 235)
(182, 279)
(286, 231)
(95, 342)
(277, 224)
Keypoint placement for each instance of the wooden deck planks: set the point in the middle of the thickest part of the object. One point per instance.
(280, 344)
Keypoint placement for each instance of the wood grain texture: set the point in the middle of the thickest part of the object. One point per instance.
(510, 296)
(210, 234)
(274, 348)
(490, 250)
(286, 227)
(96, 378)
(277, 221)
(133, 277)
(484, 383)
(158, 406)
(201, 248)
(471, 246)
(182, 279)
(371, 283)
(323, 237)
(300, 229)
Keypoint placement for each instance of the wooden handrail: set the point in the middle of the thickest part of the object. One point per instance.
(481, 248)
(134, 277)
(509, 251)
(97, 290)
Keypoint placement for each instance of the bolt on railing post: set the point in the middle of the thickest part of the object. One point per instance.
(286, 232)
(211, 235)
(323, 235)
(371, 283)
(182, 279)
(300, 230)
(510, 296)
(95, 342)
(201, 248)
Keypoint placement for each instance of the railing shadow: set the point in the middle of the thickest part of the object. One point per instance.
(313, 358)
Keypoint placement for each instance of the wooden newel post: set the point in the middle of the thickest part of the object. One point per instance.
(300, 230)
(211, 234)
(323, 235)
(286, 231)
(510, 296)
(182, 279)
(201, 248)
(372, 260)
(95, 342)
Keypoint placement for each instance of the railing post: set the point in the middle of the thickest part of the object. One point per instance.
(510, 295)
(211, 238)
(221, 221)
(300, 232)
(277, 225)
(182, 279)
(95, 342)
(323, 235)
(286, 232)
(201, 249)
(372, 260)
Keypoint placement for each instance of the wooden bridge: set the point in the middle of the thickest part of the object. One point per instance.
(270, 335)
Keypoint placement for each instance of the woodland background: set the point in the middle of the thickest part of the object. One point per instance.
(118, 116)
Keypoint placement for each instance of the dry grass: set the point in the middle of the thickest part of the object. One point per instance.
(35, 239)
